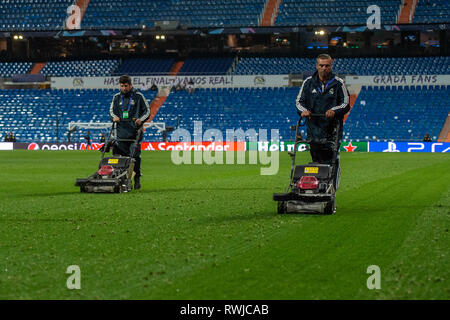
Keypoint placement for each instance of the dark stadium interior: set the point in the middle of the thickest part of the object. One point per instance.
(216, 37)
(215, 158)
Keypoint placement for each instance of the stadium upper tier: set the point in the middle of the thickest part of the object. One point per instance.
(429, 11)
(197, 13)
(378, 114)
(339, 12)
(245, 66)
(33, 14)
(51, 14)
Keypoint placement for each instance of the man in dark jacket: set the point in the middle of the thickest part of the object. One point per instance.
(427, 138)
(10, 137)
(88, 138)
(129, 109)
(324, 93)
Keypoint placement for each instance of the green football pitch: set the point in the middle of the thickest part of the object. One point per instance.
(213, 232)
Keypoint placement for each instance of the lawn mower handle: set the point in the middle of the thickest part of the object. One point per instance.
(107, 140)
(315, 115)
(139, 133)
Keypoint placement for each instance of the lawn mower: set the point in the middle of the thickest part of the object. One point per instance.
(114, 173)
(312, 186)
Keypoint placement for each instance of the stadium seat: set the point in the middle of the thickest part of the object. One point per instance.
(33, 114)
(144, 66)
(202, 66)
(22, 15)
(307, 12)
(342, 66)
(191, 13)
(8, 69)
(81, 68)
(398, 115)
(432, 11)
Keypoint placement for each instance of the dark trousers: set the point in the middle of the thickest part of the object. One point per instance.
(125, 148)
(323, 154)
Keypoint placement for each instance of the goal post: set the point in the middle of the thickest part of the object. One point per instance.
(159, 126)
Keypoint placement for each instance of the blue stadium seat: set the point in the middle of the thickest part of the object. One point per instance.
(115, 13)
(8, 69)
(19, 15)
(143, 66)
(202, 66)
(432, 11)
(81, 68)
(405, 114)
(32, 114)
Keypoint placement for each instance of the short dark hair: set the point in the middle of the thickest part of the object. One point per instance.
(324, 56)
(125, 79)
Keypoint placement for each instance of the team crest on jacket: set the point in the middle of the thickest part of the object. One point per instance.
(314, 91)
(331, 91)
(132, 102)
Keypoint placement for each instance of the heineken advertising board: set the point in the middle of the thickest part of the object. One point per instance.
(289, 146)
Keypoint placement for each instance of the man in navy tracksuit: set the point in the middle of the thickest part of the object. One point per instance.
(129, 109)
(324, 93)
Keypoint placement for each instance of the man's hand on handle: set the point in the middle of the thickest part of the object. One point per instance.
(138, 121)
(306, 114)
(329, 114)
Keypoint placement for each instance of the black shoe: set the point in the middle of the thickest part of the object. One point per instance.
(137, 182)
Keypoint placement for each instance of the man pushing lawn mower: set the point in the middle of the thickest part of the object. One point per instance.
(322, 101)
(128, 105)
(129, 110)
